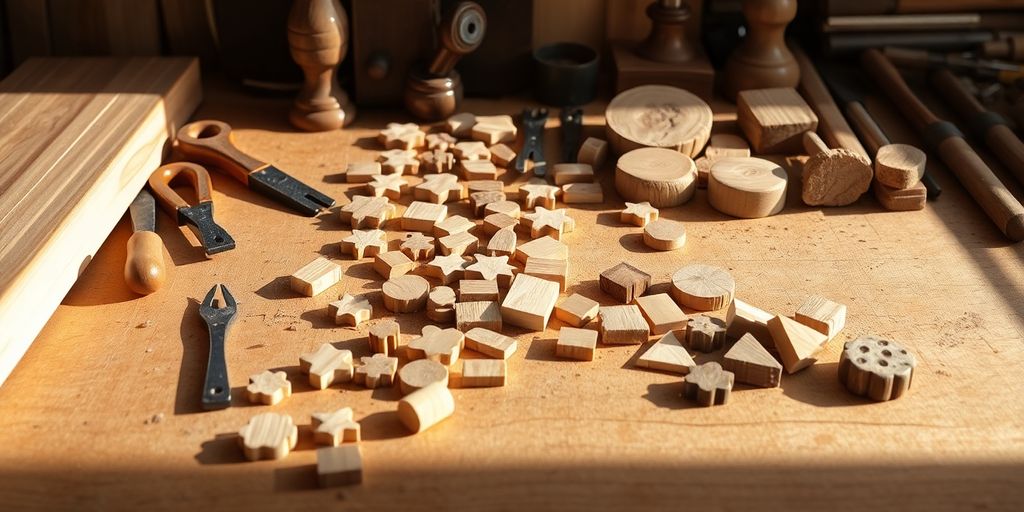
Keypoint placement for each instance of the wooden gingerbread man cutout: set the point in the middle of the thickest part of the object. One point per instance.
(434, 343)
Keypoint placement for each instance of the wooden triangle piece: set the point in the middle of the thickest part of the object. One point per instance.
(668, 355)
(752, 363)
(795, 342)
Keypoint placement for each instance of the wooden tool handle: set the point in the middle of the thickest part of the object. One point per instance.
(813, 144)
(210, 142)
(984, 186)
(866, 127)
(144, 269)
(160, 183)
(831, 123)
(890, 81)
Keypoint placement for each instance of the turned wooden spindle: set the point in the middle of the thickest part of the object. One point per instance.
(434, 92)
(318, 38)
(762, 59)
(667, 41)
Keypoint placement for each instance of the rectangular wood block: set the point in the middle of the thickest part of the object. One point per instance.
(529, 302)
(566, 173)
(339, 465)
(490, 343)
(478, 290)
(421, 216)
(556, 270)
(774, 120)
(470, 315)
(661, 312)
(484, 373)
(582, 193)
(822, 315)
(317, 276)
(577, 310)
(576, 343)
(393, 264)
(622, 325)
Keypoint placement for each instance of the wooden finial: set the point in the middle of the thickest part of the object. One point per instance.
(667, 41)
(318, 35)
(762, 59)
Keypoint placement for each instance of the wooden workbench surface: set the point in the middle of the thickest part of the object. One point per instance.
(103, 411)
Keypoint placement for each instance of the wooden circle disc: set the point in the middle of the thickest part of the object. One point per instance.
(702, 287)
(899, 166)
(658, 116)
(665, 235)
(441, 304)
(659, 176)
(405, 294)
(748, 188)
(419, 373)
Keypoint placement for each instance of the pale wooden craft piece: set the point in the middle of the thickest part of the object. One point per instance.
(421, 373)
(899, 166)
(544, 247)
(726, 145)
(401, 136)
(492, 268)
(774, 120)
(877, 368)
(639, 214)
(417, 246)
(399, 161)
(702, 287)
(446, 268)
(439, 189)
(392, 186)
(665, 235)
(659, 176)
(338, 466)
(436, 162)
(502, 242)
(470, 315)
(901, 200)
(661, 312)
(315, 277)
(484, 186)
(658, 116)
(453, 225)
(393, 264)
(478, 290)
(383, 337)
(441, 305)
(796, 343)
(461, 243)
(362, 172)
(441, 345)
(460, 125)
(752, 364)
(502, 155)
(365, 243)
(471, 151)
(593, 151)
(376, 371)
(833, 177)
(483, 373)
(350, 310)
(534, 193)
(708, 384)
(704, 170)
(582, 193)
(326, 366)
(426, 407)
(506, 207)
(478, 170)
(668, 355)
(704, 333)
(334, 428)
(440, 141)
(822, 315)
(478, 201)
(577, 310)
(421, 216)
(544, 222)
(552, 269)
(494, 129)
(490, 343)
(624, 282)
(367, 212)
(744, 318)
(405, 294)
(529, 302)
(622, 325)
(576, 343)
(268, 436)
(268, 388)
(748, 188)
(565, 173)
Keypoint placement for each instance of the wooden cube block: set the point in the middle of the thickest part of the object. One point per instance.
(471, 290)
(362, 172)
(576, 343)
(582, 193)
(393, 264)
(317, 276)
(661, 312)
(485, 314)
(624, 282)
(552, 269)
(622, 325)
(577, 310)
(490, 343)
(774, 120)
(593, 151)
(797, 344)
(529, 302)
(565, 173)
(460, 243)
(822, 315)
(339, 465)
(483, 373)
(421, 216)
(478, 170)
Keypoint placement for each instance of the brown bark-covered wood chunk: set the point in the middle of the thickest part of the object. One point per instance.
(705, 333)
(624, 282)
(877, 368)
(752, 364)
(833, 177)
(708, 384)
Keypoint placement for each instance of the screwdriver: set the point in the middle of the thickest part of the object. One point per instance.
(144, 269)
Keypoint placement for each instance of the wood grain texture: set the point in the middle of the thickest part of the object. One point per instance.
(657, 176)
(658, 116)
(774, 120)
(748, 188)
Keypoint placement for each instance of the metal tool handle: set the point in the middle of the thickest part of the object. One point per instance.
(210, 142)
(216, 389)
(572, 125)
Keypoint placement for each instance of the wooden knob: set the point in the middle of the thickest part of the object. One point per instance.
(318, 38)
(144, 269)
(667, 41)
(762, 60)
(461, 31)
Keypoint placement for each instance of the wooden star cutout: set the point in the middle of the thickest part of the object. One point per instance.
(389, 185)
(439, 189)
(377, 370)
(440, 140)
(639, 214)
(326, 366)
(441, 345)
(401, 136)
(365, 211)
(268, 387)
(365, 243)
(492, 268)
(436, 161)
(350, 310)
(538, 192)
(446, 268)
(334, 428)
(418, 246)
(548, 222)
(399, 161)
(471, 151)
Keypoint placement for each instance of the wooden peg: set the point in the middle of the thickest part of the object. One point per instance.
(441, 345)
(268, 388)
(503, 241)
(483, 373)
(582, 193)
(478, 290)
(665, 235)
(421, 216)
(485, 314)
(367, 212)
(362, 172)
(744, 318)
(492, 268)
(662, 177)
(502, 155)
(544, 222)
(552, 269)
(593, 151)
(392, 186)
(401, 136)
(490, 343)
(317, 36)
(426, 407)
(421, 373)
(326, 366)
(576, 343)
(440, 141)
(822, 315)
(446, 268)
(376, 371)
(441, 305)
(877, 368)
(899, 166)
(268, 436)
(774, 120)
(748, 188)
(529, 302)
(338, 466)
(762, 58)
(383, 337)
(668, 355)
(544, 247)
(702, 287)
(393, 264)
(622, 325)
(708, 384)
(566, 173)
(334, 428)
(453, 225)
(661, 312)
(469, 151)
(704, 333)
(460, 125)
(405, 294)
(350, 310)
(833, 177)
(439, 189)
(399, 161)
(478, 170)
(624, 282)
(365, 243)
(492, 130)
(460, 243)
(315, 277)
(752, 364)
(478, 201)
(658, 116)
(639, 214)
(797, 344)
(417, 246)
(534, 193)
(577, 310)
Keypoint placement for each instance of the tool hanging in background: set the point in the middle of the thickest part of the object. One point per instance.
(1004, 72)
(198, 217)
(144, 269)
(209, 142)
(572, 124)
(216, 388)
(533, 121)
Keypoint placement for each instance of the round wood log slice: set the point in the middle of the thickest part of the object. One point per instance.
(658, 116)
(665, 235)
(405, 294)
(419, 373)
(659, 176)
(702, 287)
(836, 177)
(899, 166)
(748, 188)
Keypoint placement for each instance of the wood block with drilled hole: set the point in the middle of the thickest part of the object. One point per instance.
(478, 201)
(665, 235)
(752, 364)
(349, 310)
(797, 344)
(392, 186)
(460, 125)
(339, 466)
(668, 355)
(622, 325)
(743, 318)
(383, 337)
(335, 427)
(483, 373)
(439, 140)
(658, 116)
(421, 373)
(315, 277)
(494, 129)
(726, 145)
(538, 192)
(446, 268)
(417, 246)
(662, 177)
(624, 282)
(492, 268)
(426, 407)
(393, 264)
(478, 170)
(552, 269)
(484, 186)
(401, 136)
(748, 188)
(593, 151)
(510, 208)
(502, 155)
(702, 287)
(661, 312)
(405, 294)
(471, 151)
(502, 243)
(453, 225)
(490, 343)
(399, 161)
(774, 120)
(822, 315)
(268, 436)
(901, 200)
(877, 368)
(469, 315)
(461, 243)
(421, 216)
(582, 193)
(704, 333)
(441, 305)
(364, 243)
(899, 166)
(367, 212)
(471, 290)
(639, 214)
(529, 302)
(362, 172)
(576, 343)
(544, 247)
(436, 162)
(376, 371)
(326, 366)
(577, 310)
(563, 174)
(708, 384)
(441, 345)
(497, 221)
(439, 189)
(268, 388)
(544, 222)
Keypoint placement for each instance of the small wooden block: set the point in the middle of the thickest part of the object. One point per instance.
(708, 384)
(492, 268)
(529, 302)
(668, 355)
(268, 388)
(426, 407)
(544, 247)
(899, 166)
(702, 287)
(268, 436)
(577, 310)
(349, 310)
(393, 264)
(774, 120)
(593, 151)
(440, 141)
(752, 364)
(365, 243)
(453, 225)
(436, 344)
(471, 151)
(362, 172)
(498, 221)
(795, 342)
(703, 170)
(421, 216)
(485, 314)
(478, 170)
(446, 268)
(478, 201)
(661, 312)
(748, 188)
(726, 145)
(339, 466)
(534, 193)
(376, 371)
(582, 193)
(624, 282)
(704, 333)
(471, 290)
(367, 212)
(399, 161)
(502, 155)
(392, 186)
(556, 270)
(665, 235)
(743, 318)
(901, 200)
(460, 125)
(483, 373)
(421, 373)
(335, 428)
(622, 325)
(436, 162)
(326, 366)
(490, 343)
(563, 174)
(822, 315)
(544, 222)
(439, 189)
(405, 294)
(484, 186)
(494, 129)
(441, 305)
(317, 276)
(660, 176)
(401, 136)
(461, 243)
(639, 214)
(877, 368)
(502, 242)
(383, 337)
(417, 246)
(576, 343)
(510, 208)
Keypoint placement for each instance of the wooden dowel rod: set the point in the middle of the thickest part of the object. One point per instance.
(831, 123)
